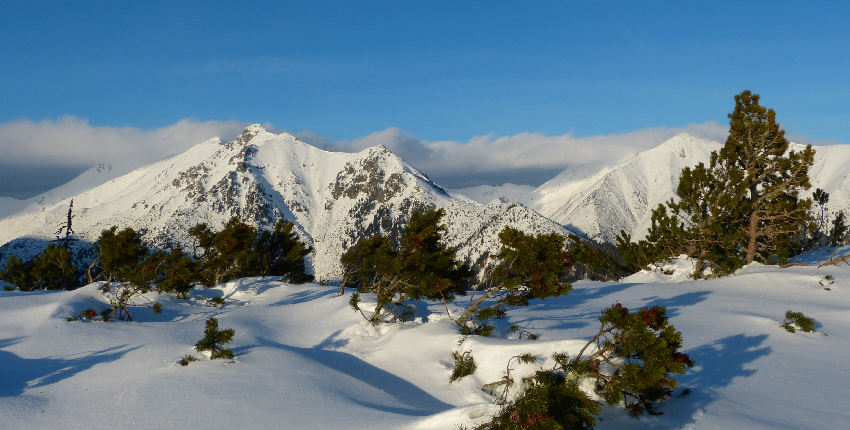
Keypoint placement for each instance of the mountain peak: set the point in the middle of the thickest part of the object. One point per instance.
(250, 132)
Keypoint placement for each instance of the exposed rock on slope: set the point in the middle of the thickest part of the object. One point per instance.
(335, 199)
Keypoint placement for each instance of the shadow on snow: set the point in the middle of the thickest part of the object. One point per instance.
(417, 401)
(20, 374)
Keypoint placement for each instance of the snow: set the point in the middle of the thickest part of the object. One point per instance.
(335, 199)
(622, 195)
(304, 359)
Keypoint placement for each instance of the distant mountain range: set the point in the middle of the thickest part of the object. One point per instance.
(622, 196)
(336, 199)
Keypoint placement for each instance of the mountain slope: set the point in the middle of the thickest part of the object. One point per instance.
(335, 199)
(622, 196)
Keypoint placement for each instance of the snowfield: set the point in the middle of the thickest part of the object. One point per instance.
(304, 359)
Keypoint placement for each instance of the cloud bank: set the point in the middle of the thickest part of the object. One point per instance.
(525, 158)
(37, 156)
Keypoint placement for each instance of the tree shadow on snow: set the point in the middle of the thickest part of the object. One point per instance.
(304, 296)
(18, 374)
(571, 312)
(416, 401)
(674, 303)
(717, 365)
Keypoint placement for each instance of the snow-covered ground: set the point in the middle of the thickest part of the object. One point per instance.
(304, 359)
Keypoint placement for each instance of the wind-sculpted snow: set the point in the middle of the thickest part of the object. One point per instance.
(335, 199)
(304, 360)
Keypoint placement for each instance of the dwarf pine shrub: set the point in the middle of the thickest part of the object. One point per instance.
(798, 320)
(464, 365)
(214, 339)
(549, 402)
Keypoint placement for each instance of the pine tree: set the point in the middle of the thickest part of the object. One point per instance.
(18, 274)
(838, 233)
(214, 339)
(282, 253)
(119, 253)
(706, 220)
(549, 402)
(422, 268)
(772, 175)
(635, 354)
(53, 269)
(238, 251)
(50, 270)
(528, 267)
(227, 254)
(173, 272)
(745, 205)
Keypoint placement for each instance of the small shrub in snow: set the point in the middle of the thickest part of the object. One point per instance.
(515, 328)
(464, 366)
(186, 359)
(215, 302)
(549, 402)
(799, 320)
(507, 380)
(214, 339)
(88, 314)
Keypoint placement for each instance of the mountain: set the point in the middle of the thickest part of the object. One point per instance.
(335, 199)
(622, 196)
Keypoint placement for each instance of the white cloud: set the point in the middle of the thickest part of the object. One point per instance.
(525, 158)
(73, 141)
(69, 144)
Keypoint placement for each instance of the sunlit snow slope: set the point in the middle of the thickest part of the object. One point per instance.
(335, 199)
(305, 360)
(622, 196)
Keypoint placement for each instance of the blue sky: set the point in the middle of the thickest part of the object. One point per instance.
(436, 71)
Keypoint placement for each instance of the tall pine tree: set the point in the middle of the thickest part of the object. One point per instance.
(744, 206)
(773, 176)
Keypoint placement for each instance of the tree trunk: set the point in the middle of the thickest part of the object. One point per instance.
(752, 232)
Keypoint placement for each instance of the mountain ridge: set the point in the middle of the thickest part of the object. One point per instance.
(335, 199)
(622, 196)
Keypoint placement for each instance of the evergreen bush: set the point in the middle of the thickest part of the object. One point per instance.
(281, 253)
(227, 254)
(798, 320)
(50, 270)
(238, 251)
(549, 402)
(186, 359)
(464, 365)
(214, 339)
(635, 354)
(528, 267)
(421, 268)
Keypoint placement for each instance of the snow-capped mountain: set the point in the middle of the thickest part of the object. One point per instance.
(335, 199)
(622, 196)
